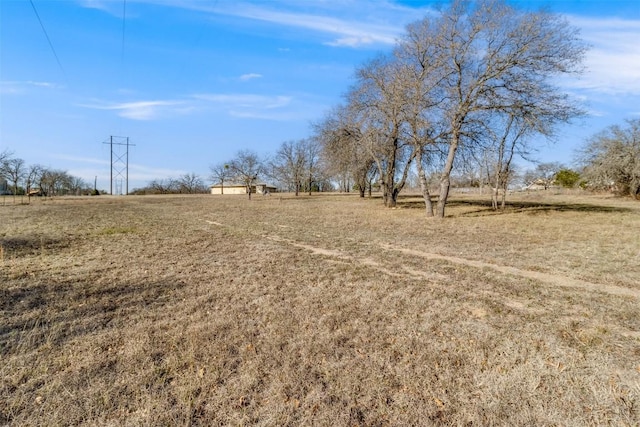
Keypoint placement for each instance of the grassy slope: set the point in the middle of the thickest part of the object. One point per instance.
(282, 311)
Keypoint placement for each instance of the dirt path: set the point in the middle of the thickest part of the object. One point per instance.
(551, 279)
(548, 278)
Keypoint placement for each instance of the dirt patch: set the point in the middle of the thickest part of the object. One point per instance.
(551, 279)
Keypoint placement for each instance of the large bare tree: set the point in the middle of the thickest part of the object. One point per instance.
(483, 58)
(379, 99)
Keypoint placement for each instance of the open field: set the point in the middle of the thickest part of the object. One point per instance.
(322, 310)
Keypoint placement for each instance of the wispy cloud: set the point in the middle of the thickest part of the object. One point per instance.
(250, 76)
(263, 107)
(18, 87)
(246, 100)
(109, 6)
(143, 110)
(349, 33)
(79, 159)
(382, 24)
(613, 62)
(274, 107)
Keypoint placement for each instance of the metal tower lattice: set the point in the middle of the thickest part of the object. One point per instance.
(119, 147)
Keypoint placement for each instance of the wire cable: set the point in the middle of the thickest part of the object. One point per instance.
(48, 39)
(124, 20)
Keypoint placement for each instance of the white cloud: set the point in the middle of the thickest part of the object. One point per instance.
(613, 62)
(263, 107)
(349, 33)
(109, 6)
(81, 159)
(382, 23)
(246, 100)
(250, 76)
(19, 87)
(143, 110)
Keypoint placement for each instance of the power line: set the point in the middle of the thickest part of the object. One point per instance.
(48, 39)
(124, 20)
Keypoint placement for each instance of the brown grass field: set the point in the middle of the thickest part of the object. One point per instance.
(327, 310)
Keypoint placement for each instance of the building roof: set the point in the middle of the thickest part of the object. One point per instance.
(235, 184)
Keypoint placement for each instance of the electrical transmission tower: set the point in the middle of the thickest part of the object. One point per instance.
(119, 162)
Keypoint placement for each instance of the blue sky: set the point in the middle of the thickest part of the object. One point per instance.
(194, 81)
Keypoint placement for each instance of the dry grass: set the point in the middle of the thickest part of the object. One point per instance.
(323, 310)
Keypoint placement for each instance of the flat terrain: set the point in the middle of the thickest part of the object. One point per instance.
(321, 310)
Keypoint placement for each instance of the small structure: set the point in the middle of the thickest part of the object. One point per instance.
(235, 188)
(4, 187)
(536, 185)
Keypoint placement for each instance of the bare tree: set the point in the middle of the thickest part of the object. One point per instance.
(13, 169)
(488, 58)
(340, 136)
(379, 98)
(546, 173)
(219, 173)
(32, 178)
(164, 186)
(76, 185)
(311, 150)
(289, 165)
(508, 134)
(246, 167)
(4, 156)
(611, 158)
(53, 182)
(190, 183)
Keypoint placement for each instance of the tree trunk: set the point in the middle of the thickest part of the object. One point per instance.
(494, 197)
(445, 178)
(392, 201)
(424, 185)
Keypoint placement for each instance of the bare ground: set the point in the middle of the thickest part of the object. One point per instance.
(323, 310)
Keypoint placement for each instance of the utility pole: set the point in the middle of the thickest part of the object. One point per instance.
(111, 163)
(119, 161)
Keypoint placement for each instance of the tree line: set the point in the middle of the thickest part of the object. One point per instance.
(470, 88)
(21, 178)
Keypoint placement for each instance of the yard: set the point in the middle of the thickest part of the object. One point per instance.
(319, 310)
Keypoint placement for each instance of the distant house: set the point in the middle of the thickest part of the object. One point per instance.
(538, 184)
(4, 187)
(234, 188)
